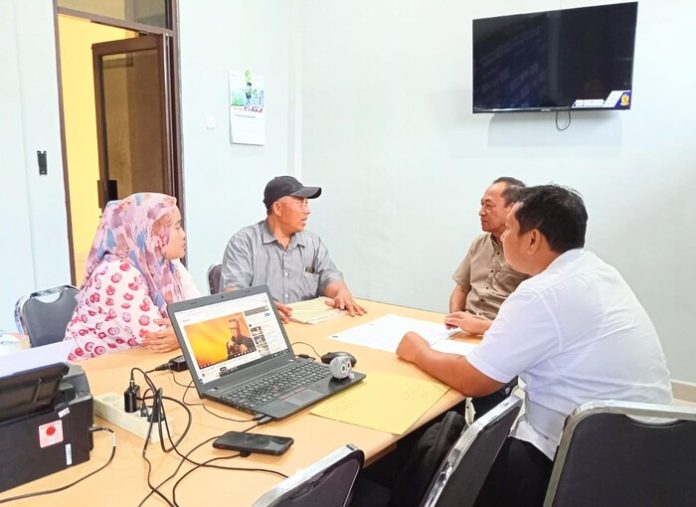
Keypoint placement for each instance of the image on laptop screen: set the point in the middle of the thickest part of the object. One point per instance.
(229, 335)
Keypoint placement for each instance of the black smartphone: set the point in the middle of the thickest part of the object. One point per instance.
(246, 443)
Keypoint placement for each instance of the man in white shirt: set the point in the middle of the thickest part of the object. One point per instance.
(574, 332)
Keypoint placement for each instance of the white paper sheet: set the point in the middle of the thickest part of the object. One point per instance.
(386, 332)
(454, 347)
(35, 357)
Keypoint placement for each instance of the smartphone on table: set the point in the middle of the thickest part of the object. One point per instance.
(247, 443)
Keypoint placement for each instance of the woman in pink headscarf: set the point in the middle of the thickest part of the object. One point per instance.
(132, 273)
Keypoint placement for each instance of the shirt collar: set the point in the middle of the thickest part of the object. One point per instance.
(497, 247)
(267, 236)
(566, 257)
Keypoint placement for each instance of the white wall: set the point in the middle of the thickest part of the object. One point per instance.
(388, 132)
(374, 100)
(224, 182)
(33, 235)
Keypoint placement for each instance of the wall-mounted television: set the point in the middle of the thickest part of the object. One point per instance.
(555, 60)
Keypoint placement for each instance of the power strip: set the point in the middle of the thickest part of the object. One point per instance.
(109, 406)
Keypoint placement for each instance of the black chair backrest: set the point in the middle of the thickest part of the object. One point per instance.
(327, 482)
(466, 466)
(45, 321)
(214, 272)
(619, 453)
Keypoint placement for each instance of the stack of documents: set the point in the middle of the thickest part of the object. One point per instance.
(314, 311)
(386, 332)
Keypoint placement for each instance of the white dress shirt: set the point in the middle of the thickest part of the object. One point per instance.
(574, 333)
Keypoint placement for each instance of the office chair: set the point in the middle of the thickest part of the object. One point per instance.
(328, 482)
(214, 272)
(45, 321)
(459, 478)
(621, 453)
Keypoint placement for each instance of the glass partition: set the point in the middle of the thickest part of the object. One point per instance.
(146, 12)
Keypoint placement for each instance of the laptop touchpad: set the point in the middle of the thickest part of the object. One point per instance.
(304, 397)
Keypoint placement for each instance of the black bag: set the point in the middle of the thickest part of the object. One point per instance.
(418, 469)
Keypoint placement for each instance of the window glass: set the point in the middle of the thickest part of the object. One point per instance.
(148, 12)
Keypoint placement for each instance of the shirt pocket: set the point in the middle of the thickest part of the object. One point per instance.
(310, 284)
(507, 280)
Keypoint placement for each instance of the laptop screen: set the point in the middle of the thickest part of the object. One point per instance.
(223, 337)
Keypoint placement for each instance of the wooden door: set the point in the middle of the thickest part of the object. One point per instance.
(134, 117)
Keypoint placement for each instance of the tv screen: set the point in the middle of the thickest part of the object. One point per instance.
(556, 60)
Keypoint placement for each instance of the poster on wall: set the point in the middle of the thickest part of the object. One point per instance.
(247, 120)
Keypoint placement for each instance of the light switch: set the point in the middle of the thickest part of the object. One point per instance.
(210, 122)
(43, 166)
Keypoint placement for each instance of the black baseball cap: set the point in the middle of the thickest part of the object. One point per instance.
(282, 186)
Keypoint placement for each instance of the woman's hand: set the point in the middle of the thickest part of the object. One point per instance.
(163, 340)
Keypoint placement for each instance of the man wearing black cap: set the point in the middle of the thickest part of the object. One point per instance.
(278, 252)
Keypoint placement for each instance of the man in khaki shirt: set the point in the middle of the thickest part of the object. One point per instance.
(483, 278)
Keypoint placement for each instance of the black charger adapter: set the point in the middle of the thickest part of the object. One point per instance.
(130, 397)
(177, 363)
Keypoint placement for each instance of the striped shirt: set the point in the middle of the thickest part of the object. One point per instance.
(255, 257)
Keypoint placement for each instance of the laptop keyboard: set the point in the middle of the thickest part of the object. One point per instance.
(272, 387)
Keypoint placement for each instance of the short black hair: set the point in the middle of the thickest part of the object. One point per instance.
(558, 212)
(512, 187)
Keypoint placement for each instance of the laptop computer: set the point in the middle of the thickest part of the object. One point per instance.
(239, 354)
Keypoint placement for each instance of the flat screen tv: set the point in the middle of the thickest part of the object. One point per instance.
(555, 60)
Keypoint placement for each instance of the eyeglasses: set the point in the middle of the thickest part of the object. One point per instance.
(300, 202)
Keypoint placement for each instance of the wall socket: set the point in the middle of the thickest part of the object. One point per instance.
(109, 406)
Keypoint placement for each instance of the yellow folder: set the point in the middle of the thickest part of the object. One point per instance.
(383, 401)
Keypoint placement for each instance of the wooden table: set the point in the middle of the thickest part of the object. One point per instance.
(123, 481)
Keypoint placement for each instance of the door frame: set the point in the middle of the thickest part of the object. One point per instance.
(171, 61)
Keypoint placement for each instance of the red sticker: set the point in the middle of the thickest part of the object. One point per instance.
(51, 433)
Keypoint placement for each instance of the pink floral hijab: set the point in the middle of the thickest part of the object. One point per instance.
(136, 229)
